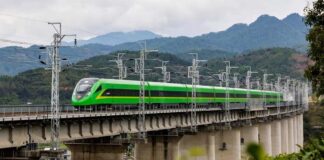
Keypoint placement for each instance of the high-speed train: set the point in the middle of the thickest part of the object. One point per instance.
(112, 92)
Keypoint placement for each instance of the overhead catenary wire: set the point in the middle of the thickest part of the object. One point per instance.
(46, 22)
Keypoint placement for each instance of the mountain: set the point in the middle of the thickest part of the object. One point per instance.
(18, 59)
(267, 31)
(115, 38)
(277, 61)
(34, 85)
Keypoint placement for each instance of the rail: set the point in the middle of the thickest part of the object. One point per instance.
(37, 112)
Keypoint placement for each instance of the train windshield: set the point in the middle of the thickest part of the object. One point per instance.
(84, 86)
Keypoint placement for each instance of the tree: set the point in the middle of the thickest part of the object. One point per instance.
(315, 20)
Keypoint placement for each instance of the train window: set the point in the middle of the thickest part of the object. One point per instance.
(98, 89)
(83, 88)
(107, 93)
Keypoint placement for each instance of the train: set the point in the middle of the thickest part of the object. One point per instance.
(113, 92)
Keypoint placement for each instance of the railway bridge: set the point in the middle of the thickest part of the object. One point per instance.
(109, 134)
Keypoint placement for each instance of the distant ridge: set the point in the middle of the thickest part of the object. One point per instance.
(265, 32)
(114, 38)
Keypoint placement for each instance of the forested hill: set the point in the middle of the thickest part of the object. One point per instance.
(34, 85)
(277, 61)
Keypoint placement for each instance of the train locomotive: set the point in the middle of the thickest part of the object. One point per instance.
(95, 92)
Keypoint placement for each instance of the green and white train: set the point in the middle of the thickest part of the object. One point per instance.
(112, 92)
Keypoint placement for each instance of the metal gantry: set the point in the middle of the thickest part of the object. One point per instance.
(166, 75)
(248, 94)
(56, 68)
(236, 81)
(122, 70)
(140, 68)
(193, 73)
(278, 103)
(220, 78)
(286, 91)
(265, 87)
(227, 102)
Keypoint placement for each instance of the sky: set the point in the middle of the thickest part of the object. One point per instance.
(26, 20)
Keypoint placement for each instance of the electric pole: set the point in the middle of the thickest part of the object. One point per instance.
(265, 87)
(287, 92)
(193, 73)
(278, 94)
(166, 75)
(122, 70)
(56, 68)
(221, 78)
(227, 102)
(248, 95)
(140, 68)
(236, 82)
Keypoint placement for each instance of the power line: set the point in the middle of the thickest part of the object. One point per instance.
(23, 18)
(18, 42)
(44, 21)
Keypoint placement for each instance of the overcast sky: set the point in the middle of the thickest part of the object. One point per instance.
(25, 20)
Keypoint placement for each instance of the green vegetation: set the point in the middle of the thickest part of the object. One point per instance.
(314, 150)
(283, 61)
(315, 37)
(34, 85)
(255, 152)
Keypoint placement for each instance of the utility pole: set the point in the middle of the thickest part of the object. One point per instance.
(248, 95)
(166, 75)
(287, 91)
(193, 73)
(265, 87)
(221, 78)
(141, 70)
(235, 79)
(122, 70)
(294, 92)
(298, 90)
(258, 84)
(278, 95)
(227, 103)
(56, 68)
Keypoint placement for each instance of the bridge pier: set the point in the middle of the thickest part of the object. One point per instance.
(290, 135)
(96, 151)
(284, 134)
(154, 149)
(301, 129)
(228, 145)
(211, 140)
(249, 134)
(265, 137)
(276, 137)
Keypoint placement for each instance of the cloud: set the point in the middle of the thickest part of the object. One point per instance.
(166, 17)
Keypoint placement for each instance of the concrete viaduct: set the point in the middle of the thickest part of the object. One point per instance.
(105, 134)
